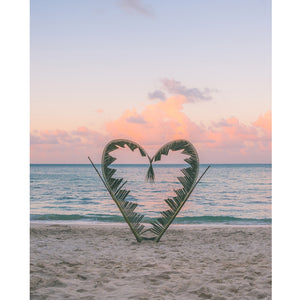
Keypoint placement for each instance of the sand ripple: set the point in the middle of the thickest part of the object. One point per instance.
(105, 262)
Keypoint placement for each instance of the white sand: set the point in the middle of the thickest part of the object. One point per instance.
(106, 262)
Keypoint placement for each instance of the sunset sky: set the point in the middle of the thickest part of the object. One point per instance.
(151, 71)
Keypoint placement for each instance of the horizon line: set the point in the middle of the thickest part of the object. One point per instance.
(260, 163)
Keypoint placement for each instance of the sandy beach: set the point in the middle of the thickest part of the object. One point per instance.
(190, 262)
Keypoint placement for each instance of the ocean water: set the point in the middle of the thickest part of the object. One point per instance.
(237, 194)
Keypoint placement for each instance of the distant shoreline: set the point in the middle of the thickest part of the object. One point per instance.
(124, 224)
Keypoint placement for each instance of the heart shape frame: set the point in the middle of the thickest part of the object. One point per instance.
(115, 186)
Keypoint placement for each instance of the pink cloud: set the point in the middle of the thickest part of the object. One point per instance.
(264, 124)
(59, 146)
(162, 121)
(174, 87)
(226, 141)
(52, 137)
(264, 121)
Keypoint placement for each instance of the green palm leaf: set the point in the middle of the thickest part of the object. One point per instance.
(115, 186)
(118, 192)
(188, 181)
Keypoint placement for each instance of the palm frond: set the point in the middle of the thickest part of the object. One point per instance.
(188, 181)
(115, 186)
(118, 192)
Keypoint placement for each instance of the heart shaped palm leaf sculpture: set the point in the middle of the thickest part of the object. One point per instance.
(116, 189)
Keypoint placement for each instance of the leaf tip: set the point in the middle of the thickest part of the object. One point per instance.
(150, 173)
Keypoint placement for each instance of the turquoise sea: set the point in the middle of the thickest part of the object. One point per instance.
(236, 194)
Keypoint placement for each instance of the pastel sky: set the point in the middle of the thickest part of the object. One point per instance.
(151, 71)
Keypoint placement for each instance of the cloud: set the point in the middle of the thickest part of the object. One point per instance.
(136, 6)
(264, 121)
(157, 94)
(100, 111)
(226, 141)
(59, 146)
(163, 121)
(79, 136)
(222, 123)
(136, 120)
(174, 87)
(52, 137)
(88, 136)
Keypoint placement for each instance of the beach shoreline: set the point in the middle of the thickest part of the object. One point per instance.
(124, 224)
(104, 261)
